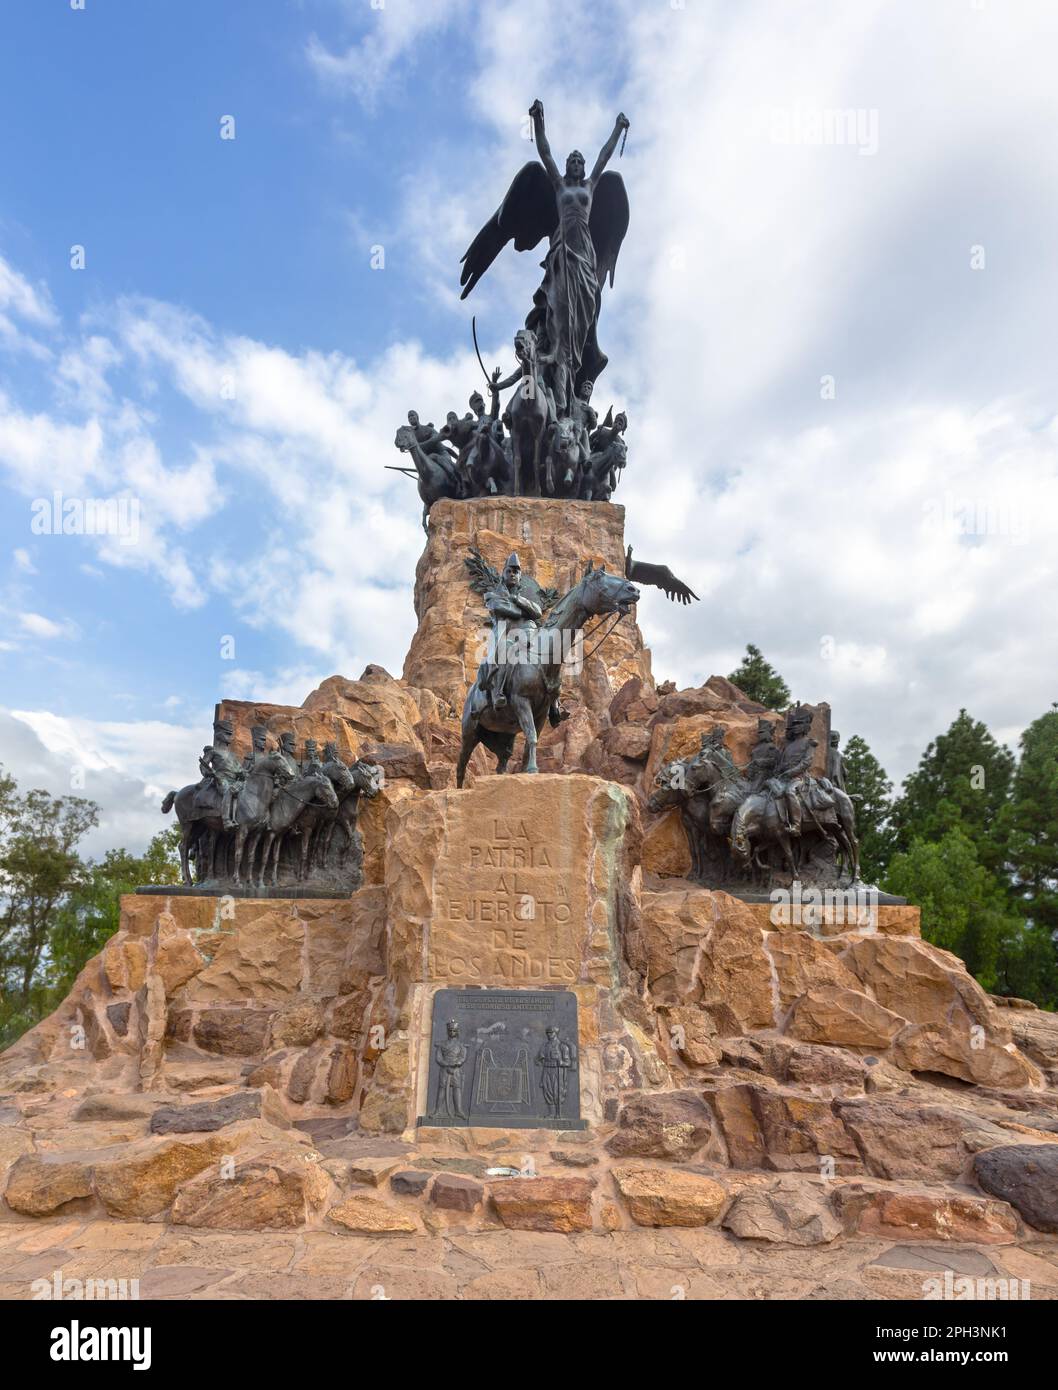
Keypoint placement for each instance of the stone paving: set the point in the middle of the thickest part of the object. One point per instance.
(180, 1263)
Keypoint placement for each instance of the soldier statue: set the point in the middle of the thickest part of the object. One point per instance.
(258, 747)
(221, 768)
(287, 759)
(835, 763)
(514, 616)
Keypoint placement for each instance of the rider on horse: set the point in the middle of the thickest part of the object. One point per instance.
(514, 615)
(222, 769)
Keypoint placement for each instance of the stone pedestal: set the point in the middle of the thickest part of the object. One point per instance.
(554, 540)
(519, 882)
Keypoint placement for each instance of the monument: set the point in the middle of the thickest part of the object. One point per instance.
(404, 972)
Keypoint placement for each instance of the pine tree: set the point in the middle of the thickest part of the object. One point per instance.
(962, 781)
(1033, 845)
(759, 680)
(872, 798)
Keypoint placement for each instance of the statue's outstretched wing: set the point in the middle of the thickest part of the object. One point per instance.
(608, 222)
(527, 214)
(482, 576)
(660, 576)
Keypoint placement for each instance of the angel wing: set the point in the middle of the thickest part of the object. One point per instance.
(482, 576)
(660, 576)
(527, 214)
(608, 223)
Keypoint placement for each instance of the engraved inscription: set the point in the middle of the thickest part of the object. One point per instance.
(506, 908)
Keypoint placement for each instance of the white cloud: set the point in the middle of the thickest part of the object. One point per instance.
(37, 625)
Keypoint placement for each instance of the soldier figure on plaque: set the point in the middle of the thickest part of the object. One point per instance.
(451, 1056)
(557, 1059)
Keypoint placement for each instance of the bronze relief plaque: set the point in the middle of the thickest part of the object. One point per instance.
(504, 1058)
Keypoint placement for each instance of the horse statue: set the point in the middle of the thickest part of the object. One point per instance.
(536, 678)
(349, 783)
(486, 462)
(706, 790)
(529, 414)
(437, 476)
(562, 457)
(600, 470)
(267, 809)
(716, 805)
(831, 819)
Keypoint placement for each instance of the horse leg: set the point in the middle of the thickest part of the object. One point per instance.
(185, 844)
(240, 845)
(469, 743)
(527, 723)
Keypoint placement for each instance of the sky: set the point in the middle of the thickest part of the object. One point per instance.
(229, 252)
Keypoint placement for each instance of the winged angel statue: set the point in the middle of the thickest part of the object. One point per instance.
(585, 219)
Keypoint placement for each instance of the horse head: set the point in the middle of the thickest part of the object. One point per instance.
(670, 786)
(601, 592)
(369, 778)
(321, 792)
(405, 438)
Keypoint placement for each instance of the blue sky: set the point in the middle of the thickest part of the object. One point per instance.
(229, 357)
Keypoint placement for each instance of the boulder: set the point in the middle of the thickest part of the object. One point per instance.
(672, 1124)
(233, 1032)
(1026, 1176)
(901, 1139)
(843, 1017)
(783, 1130)
(964, 1052)
(882, 1214)
(366, 1215)
(790, 1213)
(209, 1115)
(266, 1193)
(40, 1184)
(544, 1204)
(453, 1193)
(920, 982)
(669, 1196)
(706, 948)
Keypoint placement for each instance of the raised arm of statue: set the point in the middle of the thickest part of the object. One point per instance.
(606, 153)
(543, 149)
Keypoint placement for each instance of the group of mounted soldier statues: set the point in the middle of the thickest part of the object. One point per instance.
(770, 822)
(270, 821)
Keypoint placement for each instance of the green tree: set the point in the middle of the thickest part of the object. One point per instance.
(964, 906)
(759, 680)
(91, 912)
(962, 781)
(872, 797)
(1033, 844)
(39, 865)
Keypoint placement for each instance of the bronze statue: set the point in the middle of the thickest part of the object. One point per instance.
(769, 824)
(585, 219)
(222, 770)
(523, 673)
(660, 576)
(268, 824)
